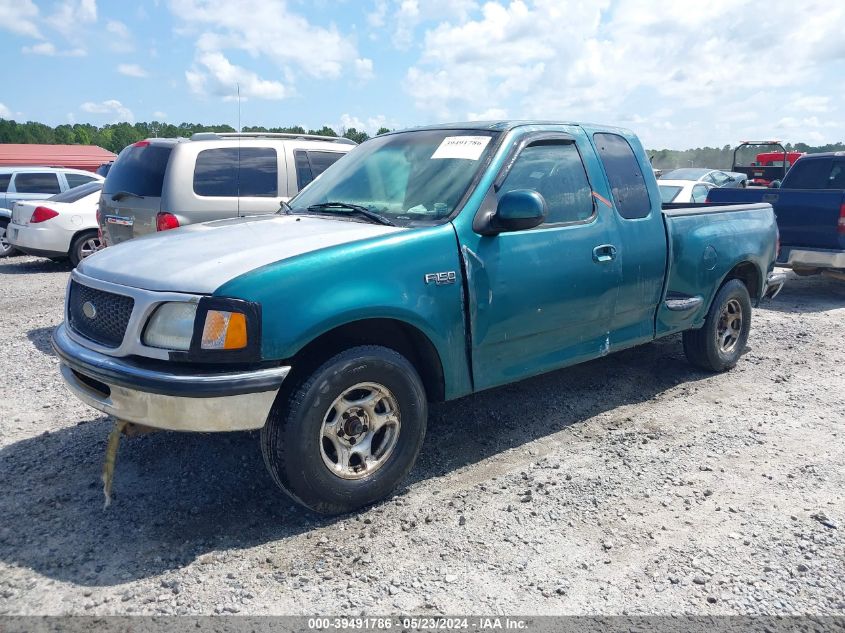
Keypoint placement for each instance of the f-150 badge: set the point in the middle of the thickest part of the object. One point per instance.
(441, 278)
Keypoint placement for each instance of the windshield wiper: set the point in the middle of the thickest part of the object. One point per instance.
(356, 208)
(120, 195)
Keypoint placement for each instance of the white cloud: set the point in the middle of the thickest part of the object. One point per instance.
(364, 68)
(45, 48)
(401, 18)
(132, 70)
(110, 106)
(490, 114)
(370, 125)
(119, 37)
(49, 50)
(5, 112)
(159, 115)
(214, 74)
(19, 17)
(267, 29)
(698, 62)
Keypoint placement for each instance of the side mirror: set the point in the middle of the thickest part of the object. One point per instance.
(519, 210)
(775, 184)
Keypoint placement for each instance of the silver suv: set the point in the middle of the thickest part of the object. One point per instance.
(33, 183)
(165, 183)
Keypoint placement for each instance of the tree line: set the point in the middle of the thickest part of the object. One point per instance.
(115, 136)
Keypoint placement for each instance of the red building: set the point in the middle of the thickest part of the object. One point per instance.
(87, 157)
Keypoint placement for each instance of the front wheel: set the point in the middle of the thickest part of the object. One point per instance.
(718, 345)
(347, 434)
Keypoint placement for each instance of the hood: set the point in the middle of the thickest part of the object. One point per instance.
(202, 257)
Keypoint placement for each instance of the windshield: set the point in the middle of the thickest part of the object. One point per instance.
(410, 178)
(667, 193)
(684, 174)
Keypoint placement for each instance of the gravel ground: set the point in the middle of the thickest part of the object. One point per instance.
(633, 484)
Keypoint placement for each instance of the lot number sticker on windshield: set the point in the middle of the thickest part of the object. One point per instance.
(469, 147)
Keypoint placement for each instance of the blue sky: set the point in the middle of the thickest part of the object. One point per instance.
(680, 74)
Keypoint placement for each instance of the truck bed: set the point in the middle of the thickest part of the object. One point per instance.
(705, 243)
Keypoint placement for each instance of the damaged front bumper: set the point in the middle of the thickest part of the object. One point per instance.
(171, 398)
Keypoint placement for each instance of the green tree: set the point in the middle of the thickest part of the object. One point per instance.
(382, 130)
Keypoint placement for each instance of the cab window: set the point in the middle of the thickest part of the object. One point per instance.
(555, 171)
(626, 180)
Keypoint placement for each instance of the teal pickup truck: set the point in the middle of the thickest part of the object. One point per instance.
(425, 265)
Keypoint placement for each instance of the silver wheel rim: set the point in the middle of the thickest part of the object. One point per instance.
(5, 246)
(360, 431)
(89, 247)
(730, 326)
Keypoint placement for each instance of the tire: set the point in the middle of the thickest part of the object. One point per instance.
(82, 246)
(307, 441)
(6, 249)
(718, 345)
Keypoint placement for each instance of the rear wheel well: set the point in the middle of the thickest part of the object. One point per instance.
(391, 333)
(748, 274)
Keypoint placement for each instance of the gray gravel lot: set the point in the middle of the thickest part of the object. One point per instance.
(633, 484)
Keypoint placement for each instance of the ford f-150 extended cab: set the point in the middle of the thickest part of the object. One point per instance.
(425, 265)
(810, 210)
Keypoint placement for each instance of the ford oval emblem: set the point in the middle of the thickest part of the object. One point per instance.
(89, 310)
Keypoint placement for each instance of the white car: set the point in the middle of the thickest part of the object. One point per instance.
(683, 191)
(58, 227)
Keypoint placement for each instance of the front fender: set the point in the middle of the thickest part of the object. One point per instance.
(6, 214)
(382, 277)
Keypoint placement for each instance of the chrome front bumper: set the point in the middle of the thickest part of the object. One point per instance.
(168, 398)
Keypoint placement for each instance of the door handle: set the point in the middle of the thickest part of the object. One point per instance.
(604, 253)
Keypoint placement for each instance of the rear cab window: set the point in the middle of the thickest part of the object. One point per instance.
(809, 174)
(139, 169)
(37, 182)
(312, 163)
(232, 171)
(627, 184)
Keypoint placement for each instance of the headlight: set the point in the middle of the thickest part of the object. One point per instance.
(171, 326)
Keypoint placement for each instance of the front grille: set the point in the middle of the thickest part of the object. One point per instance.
(107, 314)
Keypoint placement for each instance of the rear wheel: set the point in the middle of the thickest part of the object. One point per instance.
(6, 248)
(83, 245)
(347, 434)
(718, 345)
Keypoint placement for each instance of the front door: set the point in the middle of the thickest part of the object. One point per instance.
(543, 298)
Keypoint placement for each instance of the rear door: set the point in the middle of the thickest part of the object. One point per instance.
(32, 185)
(641, 243)
(131, 196)
(808, 210)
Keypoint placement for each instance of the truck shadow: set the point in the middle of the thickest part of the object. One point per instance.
(25, 265)
(40, 339)
(180, 496)
(808, 294)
